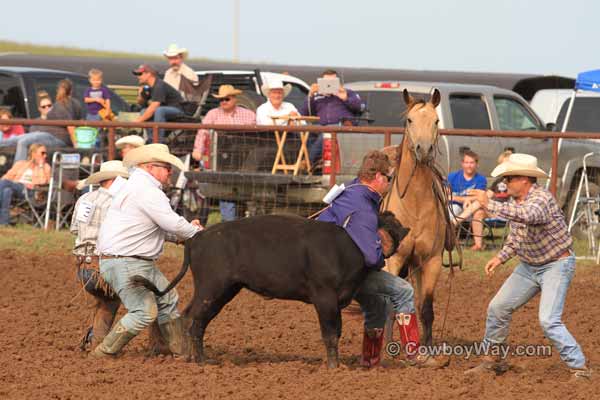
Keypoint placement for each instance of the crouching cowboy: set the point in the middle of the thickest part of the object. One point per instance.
(90, 210)
(356, 209)
(540, 239)
(130, 242)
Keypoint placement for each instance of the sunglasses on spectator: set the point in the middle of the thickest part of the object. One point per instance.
(225, 99)
(43, 153)
(45, 105)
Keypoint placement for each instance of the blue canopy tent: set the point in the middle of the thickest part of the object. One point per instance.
(589, 81)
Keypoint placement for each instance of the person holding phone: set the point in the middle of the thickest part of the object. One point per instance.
(332, 109)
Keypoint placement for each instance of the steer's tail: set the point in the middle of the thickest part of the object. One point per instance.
(140, 281)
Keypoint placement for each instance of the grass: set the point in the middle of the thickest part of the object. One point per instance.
(26, 239)
(30, 48)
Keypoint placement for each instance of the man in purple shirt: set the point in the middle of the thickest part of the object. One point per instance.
(331, 110)
(356, 210)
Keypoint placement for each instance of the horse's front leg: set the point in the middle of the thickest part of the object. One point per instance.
(429, 277)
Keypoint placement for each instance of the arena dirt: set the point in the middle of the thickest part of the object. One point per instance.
(267, 349)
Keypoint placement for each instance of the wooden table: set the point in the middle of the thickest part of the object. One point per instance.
(302, 160)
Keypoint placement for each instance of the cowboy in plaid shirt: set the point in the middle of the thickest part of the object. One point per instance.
(540, 239)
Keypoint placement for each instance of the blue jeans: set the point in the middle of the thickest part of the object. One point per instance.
(381, 291)
(163, 114)
(8, 189)
(143, 307)
(552, 280)
(228, 210)
(315, 147)
(24, 141)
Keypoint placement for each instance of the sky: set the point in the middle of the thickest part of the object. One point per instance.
(523, 36)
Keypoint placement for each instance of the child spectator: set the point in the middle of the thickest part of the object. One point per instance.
(96, 97)
(9, 131)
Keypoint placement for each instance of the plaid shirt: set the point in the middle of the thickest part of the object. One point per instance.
(239, 116)
(538, 230)
(87, 233)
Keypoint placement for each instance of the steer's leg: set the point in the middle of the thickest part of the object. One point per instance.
(207, 303)
(330, 319)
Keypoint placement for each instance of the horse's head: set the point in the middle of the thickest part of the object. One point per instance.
(422, 125)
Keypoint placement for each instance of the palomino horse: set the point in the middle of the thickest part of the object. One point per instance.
(418, 200)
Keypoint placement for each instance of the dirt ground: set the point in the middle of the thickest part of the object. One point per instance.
(267, 348)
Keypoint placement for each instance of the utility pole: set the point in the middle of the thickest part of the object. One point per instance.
(236, 30)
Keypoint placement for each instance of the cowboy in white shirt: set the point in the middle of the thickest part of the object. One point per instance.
(130, 241)
(275, 91)
(178, 69)
(89, 212)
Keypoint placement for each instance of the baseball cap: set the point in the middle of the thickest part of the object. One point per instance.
(144, 68)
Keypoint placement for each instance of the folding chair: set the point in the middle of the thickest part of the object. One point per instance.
(65, 167)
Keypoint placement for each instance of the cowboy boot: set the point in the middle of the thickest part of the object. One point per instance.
(372, 344)
(175, 337)
(116, 339)
(106, 310)
(409, 337)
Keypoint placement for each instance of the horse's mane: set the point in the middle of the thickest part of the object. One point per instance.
(412, 105)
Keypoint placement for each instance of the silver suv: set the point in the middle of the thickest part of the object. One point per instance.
(465, 106)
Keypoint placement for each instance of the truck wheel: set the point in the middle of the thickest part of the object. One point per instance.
(580, 229)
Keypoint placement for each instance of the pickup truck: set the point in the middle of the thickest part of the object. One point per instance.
(18, 89)
(462, 106)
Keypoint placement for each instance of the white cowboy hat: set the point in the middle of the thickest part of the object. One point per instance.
(134, 140)
(519, 164)
(154, 152)
(108, 170)
(276, 84)
(174, 50)
(227, 90)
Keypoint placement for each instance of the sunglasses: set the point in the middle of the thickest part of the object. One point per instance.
(509, 178)
(389, 177)
(46, 106)
(43, 153)
(165, 166)
(225, 99)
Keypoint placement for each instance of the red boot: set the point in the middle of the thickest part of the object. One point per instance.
(409, 333)
(409, 337)
(371, 348)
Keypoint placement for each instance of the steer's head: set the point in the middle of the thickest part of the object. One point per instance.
(391, 232)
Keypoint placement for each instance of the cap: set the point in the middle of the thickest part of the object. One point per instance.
(144, 68)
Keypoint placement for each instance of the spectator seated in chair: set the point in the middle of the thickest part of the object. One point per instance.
(9, 131)
(24, 175)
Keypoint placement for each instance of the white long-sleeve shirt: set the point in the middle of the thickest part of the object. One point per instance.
(265, 111)
(139, 217)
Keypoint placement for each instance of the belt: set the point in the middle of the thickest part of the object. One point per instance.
(109, 256)
(566, 254)
(88, 259)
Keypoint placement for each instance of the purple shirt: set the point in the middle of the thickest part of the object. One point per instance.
(356, 210)
(331, 109)
(100, 93)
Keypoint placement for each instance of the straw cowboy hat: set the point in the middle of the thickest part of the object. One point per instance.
(108, 170)
(227, 90)
(133, 140)
(519, 164)
(174, 50)
(276, 84)
(154, 152)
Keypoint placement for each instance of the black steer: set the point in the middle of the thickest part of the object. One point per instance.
(283, 257)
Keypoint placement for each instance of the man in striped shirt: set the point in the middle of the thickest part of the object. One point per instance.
(540, 239)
